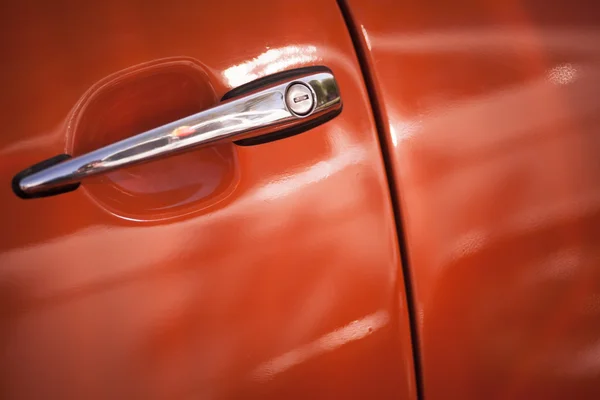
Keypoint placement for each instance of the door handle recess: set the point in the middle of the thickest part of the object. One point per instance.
(306, 99)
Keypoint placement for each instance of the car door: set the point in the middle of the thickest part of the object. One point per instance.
(258, 269)
(490, 113)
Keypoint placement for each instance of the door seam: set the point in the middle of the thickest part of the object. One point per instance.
(378, 115)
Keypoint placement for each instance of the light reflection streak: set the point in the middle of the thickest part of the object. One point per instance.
(128, 245)
(344, 154)
(488, 113)
(491, 40)
(366, 36)
(269, 62)
(354, 331)
(404, 129)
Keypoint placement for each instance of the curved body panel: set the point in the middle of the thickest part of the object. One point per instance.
(267, 271)
(490, 115)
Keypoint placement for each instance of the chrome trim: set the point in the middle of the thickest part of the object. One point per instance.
(264, 111)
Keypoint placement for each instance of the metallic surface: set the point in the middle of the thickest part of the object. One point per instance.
(284, 286)
(264, 111)
(299, 99)
(491, 118)
(134, 100)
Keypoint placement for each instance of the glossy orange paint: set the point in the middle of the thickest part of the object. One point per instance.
(287, 286)
(490, 112)
(135, 100)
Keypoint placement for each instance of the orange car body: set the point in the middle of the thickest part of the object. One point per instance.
(437, 239)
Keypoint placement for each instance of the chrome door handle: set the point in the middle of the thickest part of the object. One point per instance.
(282, 105)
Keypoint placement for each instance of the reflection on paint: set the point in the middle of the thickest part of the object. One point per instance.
(567, 41)
(366, 36)
(562, 74)
(355, 330)
(269, 62)
(128, 244)
(403, 129)
(343, 154)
